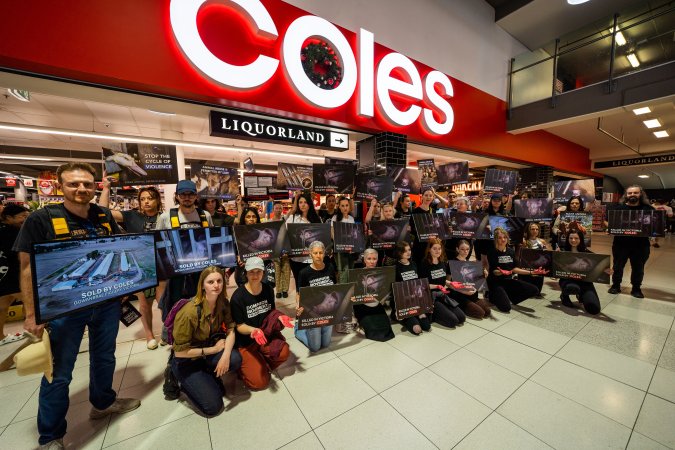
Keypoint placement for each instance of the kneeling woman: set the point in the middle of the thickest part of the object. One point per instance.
(407, 270)
(204, 338)
(504, 289)
(468, 297)
(446, 310)
(371, 315)
(584, 290)
(259, 339)
(316, 274)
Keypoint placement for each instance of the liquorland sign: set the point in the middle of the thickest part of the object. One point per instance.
(641, 161)
(396, 75)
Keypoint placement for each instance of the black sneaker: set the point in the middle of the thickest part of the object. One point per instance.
(637, 293)
(284, 294)
(278, 294)
(565, 299)
(614, 289)
(171, 387)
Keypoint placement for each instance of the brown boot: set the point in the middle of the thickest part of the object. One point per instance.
(485, 306)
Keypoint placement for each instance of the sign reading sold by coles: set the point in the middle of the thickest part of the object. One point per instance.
(433, 90)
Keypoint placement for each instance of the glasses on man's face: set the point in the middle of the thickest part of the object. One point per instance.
(76, 184)
(187, 195)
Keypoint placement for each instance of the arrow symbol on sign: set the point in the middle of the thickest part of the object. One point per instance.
(340, 140)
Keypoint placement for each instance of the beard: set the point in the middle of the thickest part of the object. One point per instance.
(633, 200)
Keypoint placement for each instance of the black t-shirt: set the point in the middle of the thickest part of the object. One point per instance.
(505, 260)
(309, 277)
(632, 241)
(38, 227)
(135, 222)
(406, 272)
(436, 273)
(9, 261)
(251, 310)
(325, 215)
(400, 214)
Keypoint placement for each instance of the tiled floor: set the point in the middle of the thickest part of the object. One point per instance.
(543, 376)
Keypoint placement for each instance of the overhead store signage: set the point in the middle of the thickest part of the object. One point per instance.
(252, 128)
(397, 76)
(642, 161)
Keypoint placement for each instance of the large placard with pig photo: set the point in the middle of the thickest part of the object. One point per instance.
(372, 283)
(134, 164)
(325, 305)
(300, 235)
(412, 298)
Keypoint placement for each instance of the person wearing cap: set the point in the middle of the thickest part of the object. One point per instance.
(75, 218)
(261, 345)
(186, 215)
(11, 219)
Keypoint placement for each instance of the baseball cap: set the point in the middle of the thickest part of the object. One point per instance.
(254, 263)
(184, 186)
(496, 196)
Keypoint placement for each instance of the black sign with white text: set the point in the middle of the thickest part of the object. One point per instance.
(256, 129)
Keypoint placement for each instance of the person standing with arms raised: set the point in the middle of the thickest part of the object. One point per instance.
(75, 218)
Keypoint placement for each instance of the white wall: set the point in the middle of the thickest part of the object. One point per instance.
(534, 83)
(457, 37)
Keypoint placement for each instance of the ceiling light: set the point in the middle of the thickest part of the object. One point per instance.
(661, 134)
(18, 94)
(160, 113)
(652, 123)
(140, 140)
(411, 167)
(643, 175)
(470, 174)
(632, 59)
(640, 111)
(619, 37)
(576, 2)
(27, 158)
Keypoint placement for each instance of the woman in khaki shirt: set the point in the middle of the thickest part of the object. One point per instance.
(204, 343)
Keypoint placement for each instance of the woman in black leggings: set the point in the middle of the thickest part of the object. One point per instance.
(584, 290)
(504, 288)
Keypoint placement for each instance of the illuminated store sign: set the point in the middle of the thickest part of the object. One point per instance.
(255, 129)
(403, 96)
(656, 159)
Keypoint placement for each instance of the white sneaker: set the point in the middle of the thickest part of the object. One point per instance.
(152, 344)
(56, 444)
(119, 406)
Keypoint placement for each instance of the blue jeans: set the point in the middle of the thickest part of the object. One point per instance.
(199, 382)
(314, 338)
(66, 335)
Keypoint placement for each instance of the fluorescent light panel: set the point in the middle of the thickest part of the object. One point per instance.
(620, 38)
(140, 140)
(27, 158)
(643, 175)
(652, 123)
(640, 111)
(633, 60)
(661, 134)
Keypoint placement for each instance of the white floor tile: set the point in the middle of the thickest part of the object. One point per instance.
(21, 435)
(638, 315)
(496, 320)
(307, 442)
(271, 416)
(439, 410)
(341, 344)
(460, 336)
(189, 432)
(13, 398)
(560, 422)
(663, 384)
(373, 424)
(327, 390)
(381, 366)
(301, 359)
(656, 421)
(153, 412)
(425, 349)
(516, 357)
(640, 442)
(498, 433)
(539, 338)
(610, 398)
(483, 380)
(606, 362)
(146, 367)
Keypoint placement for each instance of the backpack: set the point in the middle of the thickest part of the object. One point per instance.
(171, 317)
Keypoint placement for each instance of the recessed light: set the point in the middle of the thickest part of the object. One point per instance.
(160, 113)
(652, 123)
(576, 2)
(661, 134)
(27, 158)
(18, 94)
(643, 175)
(640, 111)
(633, 60)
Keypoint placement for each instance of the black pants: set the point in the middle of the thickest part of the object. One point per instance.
(638, 256)
(588, 296)
(534, 280)
(447, 312)
(423, 322)
(505, 291)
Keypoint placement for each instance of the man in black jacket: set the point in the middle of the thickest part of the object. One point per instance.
(635, 249)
